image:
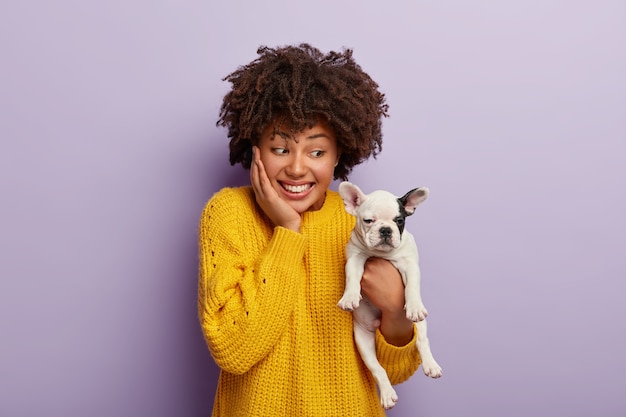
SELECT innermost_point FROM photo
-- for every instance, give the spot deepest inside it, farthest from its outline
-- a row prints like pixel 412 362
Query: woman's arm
pixel 247 282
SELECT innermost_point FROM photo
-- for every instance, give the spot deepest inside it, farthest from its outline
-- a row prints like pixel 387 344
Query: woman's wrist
pixel 396 328
pixel 293 225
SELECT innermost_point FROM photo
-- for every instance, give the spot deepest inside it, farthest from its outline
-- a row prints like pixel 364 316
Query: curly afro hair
pixel 302 84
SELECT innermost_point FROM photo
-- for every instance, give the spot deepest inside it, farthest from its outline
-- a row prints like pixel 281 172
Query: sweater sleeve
pixel 245 296
pixel 400 362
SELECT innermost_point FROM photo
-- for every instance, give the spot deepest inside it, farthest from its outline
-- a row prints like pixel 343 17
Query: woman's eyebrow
pixel 286 135
pixel 318 135
pixel 283 134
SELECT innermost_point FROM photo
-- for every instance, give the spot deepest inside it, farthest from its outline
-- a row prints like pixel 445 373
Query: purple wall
pixel 511 112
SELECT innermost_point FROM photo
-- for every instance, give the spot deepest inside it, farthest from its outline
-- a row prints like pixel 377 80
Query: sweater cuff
pixel 283 258
pixel 287 241
pixel 400 362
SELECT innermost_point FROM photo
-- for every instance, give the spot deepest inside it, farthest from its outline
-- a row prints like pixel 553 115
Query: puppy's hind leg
pixel 366 343
pixel 429 365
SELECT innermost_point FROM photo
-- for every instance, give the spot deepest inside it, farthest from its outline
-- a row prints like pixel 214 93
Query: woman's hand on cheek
pixel 278 210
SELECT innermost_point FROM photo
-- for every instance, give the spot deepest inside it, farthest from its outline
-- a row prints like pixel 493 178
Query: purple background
pixel 513 113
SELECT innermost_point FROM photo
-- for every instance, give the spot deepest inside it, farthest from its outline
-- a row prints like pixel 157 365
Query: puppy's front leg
pixel 355 266
pixel 415 309
pixel 429 364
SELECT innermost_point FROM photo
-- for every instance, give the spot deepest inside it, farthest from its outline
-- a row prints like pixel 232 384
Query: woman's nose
pixel 296 166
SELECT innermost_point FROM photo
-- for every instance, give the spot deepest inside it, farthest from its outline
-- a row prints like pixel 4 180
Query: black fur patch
pixel 399 220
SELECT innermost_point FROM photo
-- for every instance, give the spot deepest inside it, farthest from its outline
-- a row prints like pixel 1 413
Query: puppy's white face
pixel 380 215
pixel 379 222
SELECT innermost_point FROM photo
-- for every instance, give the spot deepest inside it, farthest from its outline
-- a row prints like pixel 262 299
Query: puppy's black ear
pixel 352 196
pixel 411 199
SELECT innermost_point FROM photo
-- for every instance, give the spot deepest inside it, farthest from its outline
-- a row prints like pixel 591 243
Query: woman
pixel 272 254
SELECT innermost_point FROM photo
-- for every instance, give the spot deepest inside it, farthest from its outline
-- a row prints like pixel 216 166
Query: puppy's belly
pixel 367 315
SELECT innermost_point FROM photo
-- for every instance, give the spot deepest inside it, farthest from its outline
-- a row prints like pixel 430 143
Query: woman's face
pixel 300 165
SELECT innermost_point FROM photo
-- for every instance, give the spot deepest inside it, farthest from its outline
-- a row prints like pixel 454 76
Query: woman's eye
pixel 317 154
pixel 279 151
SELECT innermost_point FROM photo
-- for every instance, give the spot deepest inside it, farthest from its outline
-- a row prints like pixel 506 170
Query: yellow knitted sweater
pixel 267 302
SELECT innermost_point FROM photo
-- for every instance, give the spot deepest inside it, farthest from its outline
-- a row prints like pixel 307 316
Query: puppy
pixel 380 232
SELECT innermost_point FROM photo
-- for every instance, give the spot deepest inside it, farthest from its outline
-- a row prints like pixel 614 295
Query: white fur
pixel 376 234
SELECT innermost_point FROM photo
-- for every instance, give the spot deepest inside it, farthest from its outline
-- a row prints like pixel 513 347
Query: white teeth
pixel 296 188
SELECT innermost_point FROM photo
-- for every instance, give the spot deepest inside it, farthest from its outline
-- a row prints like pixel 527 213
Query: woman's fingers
pixel 264 181
pixel 254 169
pixel 382 284
pixel 256 173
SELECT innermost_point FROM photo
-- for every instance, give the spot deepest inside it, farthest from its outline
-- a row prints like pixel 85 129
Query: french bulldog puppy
pixel 380 232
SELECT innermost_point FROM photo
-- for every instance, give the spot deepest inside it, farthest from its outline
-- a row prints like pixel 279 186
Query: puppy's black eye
pixel 400 221
pixel 368 221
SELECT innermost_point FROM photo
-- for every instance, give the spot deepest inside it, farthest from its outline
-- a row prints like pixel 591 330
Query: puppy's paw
pixel 350 302
pixel 431 368
pixel 415 312
pixel 388 398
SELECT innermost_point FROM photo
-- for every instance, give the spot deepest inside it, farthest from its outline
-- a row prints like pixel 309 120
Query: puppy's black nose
pixel 385 232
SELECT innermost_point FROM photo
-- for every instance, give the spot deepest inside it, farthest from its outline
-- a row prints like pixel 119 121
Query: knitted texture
pixel 267 304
